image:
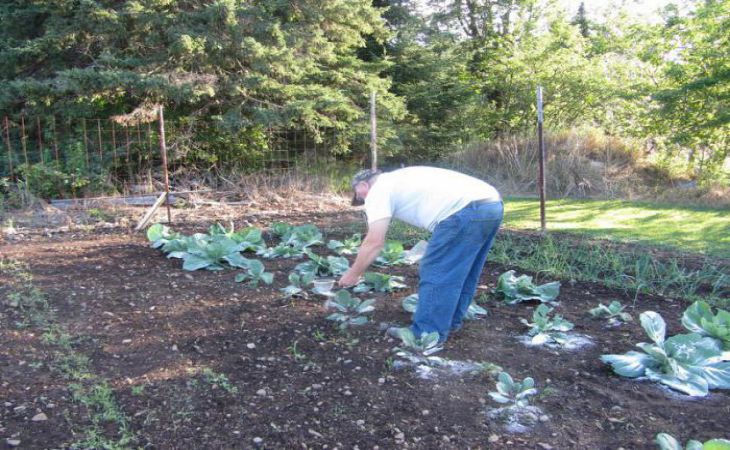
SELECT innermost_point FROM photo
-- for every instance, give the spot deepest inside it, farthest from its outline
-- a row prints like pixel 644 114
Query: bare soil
pixel 146 324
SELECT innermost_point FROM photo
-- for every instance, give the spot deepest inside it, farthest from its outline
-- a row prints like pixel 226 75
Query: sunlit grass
pixel 686 229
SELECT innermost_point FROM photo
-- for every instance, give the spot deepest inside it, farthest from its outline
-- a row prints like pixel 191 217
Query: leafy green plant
pixel 255 273
pixel 250 238
pixel 159 235
pixel 350 309
pixel 698 318
pixel 380 282
pixel 211 253
pixel 419 350
pixel 410 304
pixel 614 312
pixel 322 266
pixel 511 391
pixel 392 254
pixel 280 229
pixel 668 442
pixel 689 363
pixel 280 251
pixel 301 236
pixel 520 289
pixel 218 379
pixel 544 328
pixel 349 246
pixel 298 283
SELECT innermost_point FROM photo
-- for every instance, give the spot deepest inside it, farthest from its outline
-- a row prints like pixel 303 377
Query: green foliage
pixel 298 283
pixel 667 442
pixel 392 254
pixel 698 318
pixel 419 350
pixel 238 66
pixel 349 246
pixel 520 289
pixel 614 312
pixel 689 363
pixel 379 282
pixel 511 391
pixel 350 310
pixel 544 328
pixel 255 273
pixel 320 266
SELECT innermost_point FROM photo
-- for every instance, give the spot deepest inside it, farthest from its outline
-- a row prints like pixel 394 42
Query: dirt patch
pixel 196 360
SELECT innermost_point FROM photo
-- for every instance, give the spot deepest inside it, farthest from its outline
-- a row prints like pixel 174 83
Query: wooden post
pixel 114 143
pixel 541 145
pixel 40 139
pixel 101 145
pixel 22 139
pixel 86 148
pixel 9 145
pixel 55 141
pixel 163 151
pixel 373 133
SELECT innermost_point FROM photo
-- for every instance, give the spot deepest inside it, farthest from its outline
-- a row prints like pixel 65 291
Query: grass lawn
pixel 687 229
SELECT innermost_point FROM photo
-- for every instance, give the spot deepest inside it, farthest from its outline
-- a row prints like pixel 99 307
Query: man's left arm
pixel 369 250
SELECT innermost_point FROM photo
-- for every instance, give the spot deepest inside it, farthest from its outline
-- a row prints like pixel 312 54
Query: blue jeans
pixel 452 265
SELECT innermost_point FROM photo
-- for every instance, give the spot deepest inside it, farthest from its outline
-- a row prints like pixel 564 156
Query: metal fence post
pixel 9 145
pixel 163 151
pixel 541 145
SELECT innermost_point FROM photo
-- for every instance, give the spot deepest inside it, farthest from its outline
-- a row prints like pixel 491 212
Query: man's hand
pixel 369 250
pixel 348 279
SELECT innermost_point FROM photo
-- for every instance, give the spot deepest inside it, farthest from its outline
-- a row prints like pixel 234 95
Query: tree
pixel 238 64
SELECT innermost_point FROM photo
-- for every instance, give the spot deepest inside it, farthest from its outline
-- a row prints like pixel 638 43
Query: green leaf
pixel 692 384
pixel 632 364
pixel 667 442
pixel 194 262
pixel 693 316
pixel 654 326
pixel 716 444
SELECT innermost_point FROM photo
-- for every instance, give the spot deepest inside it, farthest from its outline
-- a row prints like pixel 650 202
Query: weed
pixel 319 336
pixel 218 379
pixel 138 390
pixel 296 354
pixel 103 409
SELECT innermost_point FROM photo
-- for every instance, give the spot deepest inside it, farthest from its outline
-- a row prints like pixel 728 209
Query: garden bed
pixel 196 360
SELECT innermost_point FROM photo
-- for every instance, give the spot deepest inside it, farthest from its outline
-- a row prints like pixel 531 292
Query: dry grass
pixel 580 165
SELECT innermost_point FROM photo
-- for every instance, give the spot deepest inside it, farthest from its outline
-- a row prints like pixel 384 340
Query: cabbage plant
pixel 321 266
pixel 419 350
pixel 698 318
pixel 410 304
pixel 255 273
pixel 379 282
pixel 302 236
pixel 350 310
pixel 210 252
pixel 297 284
pixel 668 442
pixel 159 235
pixel 280 251
pixel 689 363
pixel 511 391
pixel 614 312
pixel 544 328
pixel 520 289
pixel 250 238
pixel 349 246
pixel 392 254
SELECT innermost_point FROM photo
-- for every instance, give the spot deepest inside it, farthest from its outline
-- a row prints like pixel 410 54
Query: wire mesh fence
pixel 126 154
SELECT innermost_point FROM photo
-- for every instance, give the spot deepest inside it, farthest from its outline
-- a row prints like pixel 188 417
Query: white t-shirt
pixel 424 196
